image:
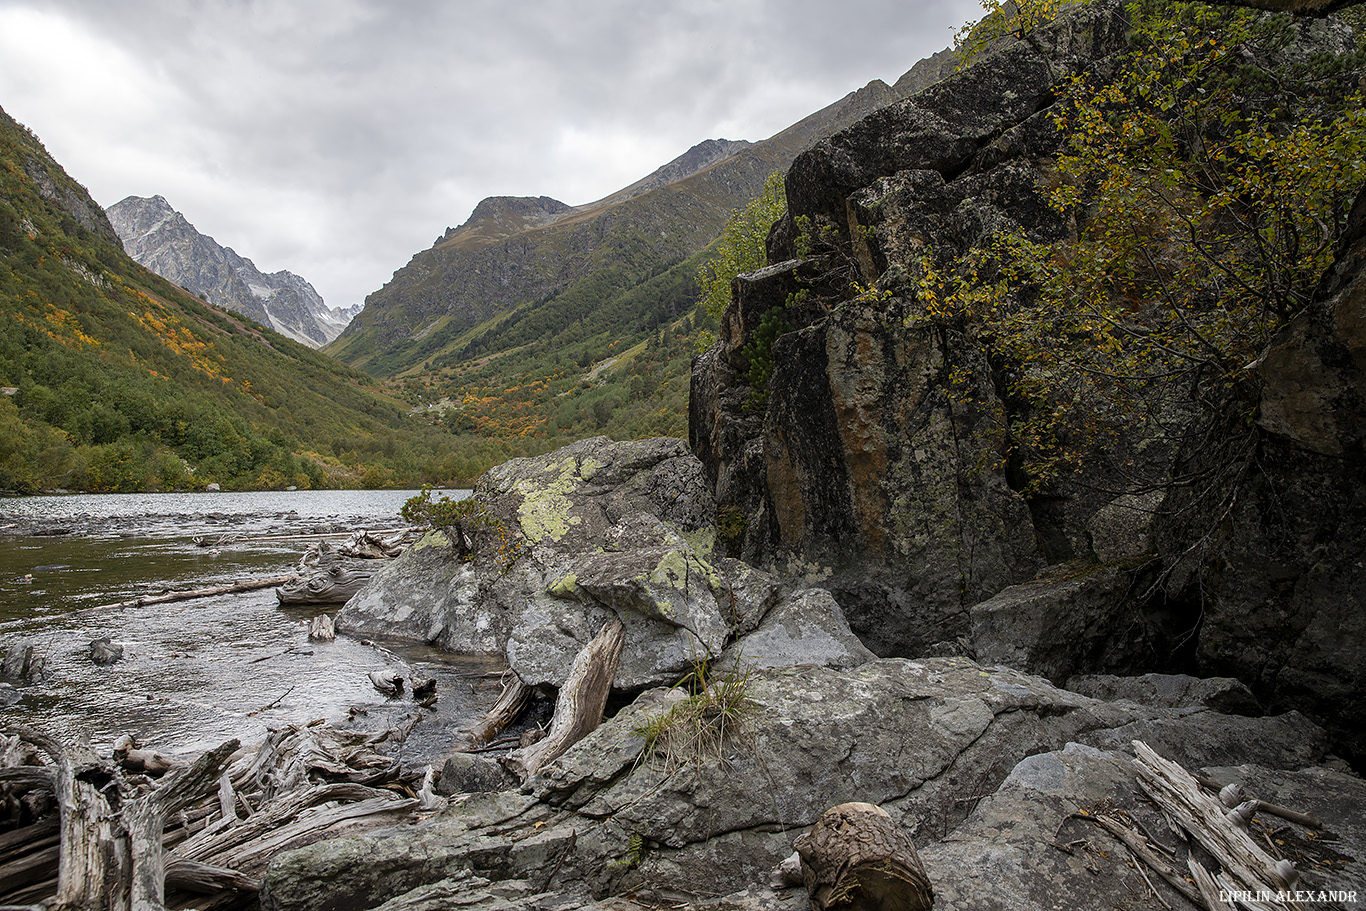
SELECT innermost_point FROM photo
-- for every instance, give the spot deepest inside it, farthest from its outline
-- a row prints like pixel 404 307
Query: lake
pixel 197 672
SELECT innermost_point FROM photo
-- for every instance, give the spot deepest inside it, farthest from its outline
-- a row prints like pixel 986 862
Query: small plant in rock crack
pixel 463 521
pixel 703 725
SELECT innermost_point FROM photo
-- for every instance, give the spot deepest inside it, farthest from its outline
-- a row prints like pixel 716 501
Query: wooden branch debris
pixel 581 701
pixel 1217 823
pixel 856 856
pixel 209 827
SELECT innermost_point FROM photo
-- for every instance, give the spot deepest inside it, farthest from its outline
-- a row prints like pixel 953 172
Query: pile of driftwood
pixel 81 831
pixel 1213 822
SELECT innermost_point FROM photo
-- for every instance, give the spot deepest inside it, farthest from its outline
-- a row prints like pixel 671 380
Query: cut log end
pixel 856 858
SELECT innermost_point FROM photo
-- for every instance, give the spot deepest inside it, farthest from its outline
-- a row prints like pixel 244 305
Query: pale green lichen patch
pixel 433 538
pixel 565 587
pixel 544 512
pixel 701 540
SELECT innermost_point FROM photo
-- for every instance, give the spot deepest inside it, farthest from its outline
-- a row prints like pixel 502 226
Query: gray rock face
pixel 104 652
pixel 160 238
pixel 1276 573
pixel 870 473
pixel 1222 694
pixel 464 773
pixel 1055 627
pixel 595 530
pixel 926 740
pixel 882 467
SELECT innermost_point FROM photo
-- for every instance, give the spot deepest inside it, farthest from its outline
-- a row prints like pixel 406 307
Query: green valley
pixel 117 380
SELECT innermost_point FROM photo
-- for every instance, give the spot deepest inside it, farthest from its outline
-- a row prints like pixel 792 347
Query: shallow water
pixel 195 673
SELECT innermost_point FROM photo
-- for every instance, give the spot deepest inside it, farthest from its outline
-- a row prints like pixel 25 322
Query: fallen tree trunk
pixel 856 857
pixel 145 819
pixel 1245 865
pixel 580 704
pixel 170 597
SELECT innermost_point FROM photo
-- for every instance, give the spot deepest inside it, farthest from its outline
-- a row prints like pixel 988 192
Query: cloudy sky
pixel 336 138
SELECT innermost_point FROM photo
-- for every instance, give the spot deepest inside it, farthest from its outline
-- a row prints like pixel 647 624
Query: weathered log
pixel 856 857
pixel 335 585
pixel 1244 865
pixel 92 857
pixel 234 588
pixel 581 701
pixel 504 712
pixel 133 759
pixel 206 879
pixel 389 683
pixel 145 819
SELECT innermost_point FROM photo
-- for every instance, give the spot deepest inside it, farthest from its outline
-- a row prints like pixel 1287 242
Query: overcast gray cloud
pixel 335 138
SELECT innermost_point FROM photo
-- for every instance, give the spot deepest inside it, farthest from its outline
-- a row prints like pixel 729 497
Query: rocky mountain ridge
pixel 162 239
pixel 524 251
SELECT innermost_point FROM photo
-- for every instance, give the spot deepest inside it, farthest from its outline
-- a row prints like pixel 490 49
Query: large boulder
pixel 1267 558
pixel 1078 618
pixel 926 740
pixel 565 542
pixel 1032 845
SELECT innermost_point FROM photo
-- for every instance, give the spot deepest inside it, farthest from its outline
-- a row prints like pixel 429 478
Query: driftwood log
pixel 1244 865
pixel 334 585
pixel 169 597
pixel 201 836
pixel 504 712
pixel 580 703
pixel 857 858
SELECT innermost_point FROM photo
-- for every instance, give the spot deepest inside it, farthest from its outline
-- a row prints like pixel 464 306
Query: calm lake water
pixel 195 673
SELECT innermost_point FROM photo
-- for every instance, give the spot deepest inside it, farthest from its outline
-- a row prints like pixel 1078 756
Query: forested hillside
pixel 117 380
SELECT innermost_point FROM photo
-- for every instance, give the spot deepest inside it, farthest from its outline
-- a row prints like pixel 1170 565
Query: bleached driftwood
pixel 231 589
pixel 322 628
pixel 1244 864
pixel 581 701
pixel 210 826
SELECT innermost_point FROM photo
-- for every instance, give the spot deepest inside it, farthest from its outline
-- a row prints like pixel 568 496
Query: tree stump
pixel 856 858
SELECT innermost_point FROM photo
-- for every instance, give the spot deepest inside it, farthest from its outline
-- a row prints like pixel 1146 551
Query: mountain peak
pixel 162 239
pixel 499 217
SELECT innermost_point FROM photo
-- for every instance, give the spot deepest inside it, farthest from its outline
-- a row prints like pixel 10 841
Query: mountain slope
pixel 525 252
pixel 116 379
pixel 160 238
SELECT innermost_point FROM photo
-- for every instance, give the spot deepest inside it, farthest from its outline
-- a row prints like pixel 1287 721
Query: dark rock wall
pixel 878 467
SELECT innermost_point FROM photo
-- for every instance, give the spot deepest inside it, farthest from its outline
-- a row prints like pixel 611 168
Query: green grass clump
pixel 702 726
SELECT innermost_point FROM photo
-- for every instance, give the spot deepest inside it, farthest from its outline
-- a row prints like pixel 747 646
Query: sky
pixel 337 138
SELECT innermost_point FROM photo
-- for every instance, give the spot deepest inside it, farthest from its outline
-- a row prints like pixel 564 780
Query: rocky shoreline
pixel 992 771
